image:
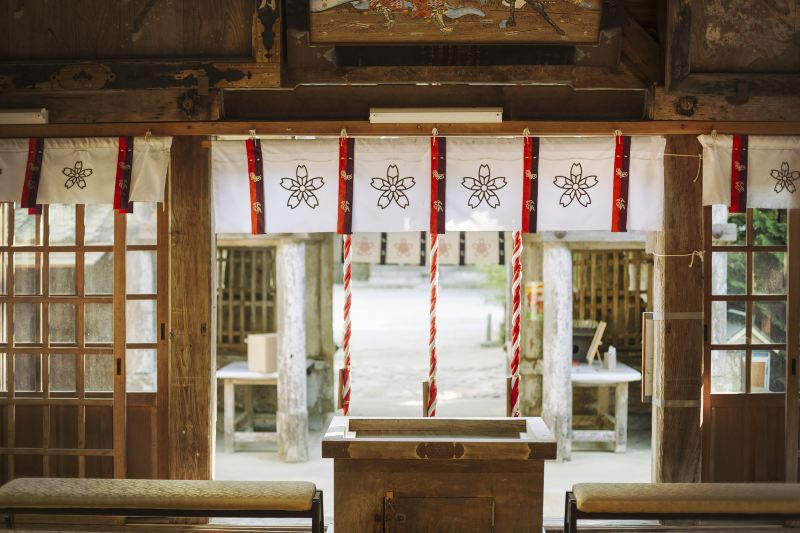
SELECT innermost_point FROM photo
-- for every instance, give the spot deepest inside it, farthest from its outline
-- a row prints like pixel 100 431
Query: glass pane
pixel 142 227
pixel 27 372
pixel 62 273
pixel 140 371
pixel 98 224
pixel 27 230
pixel 27 273
pixel 769 227
pixel 62 372
pixel 728 323
pixel 140 321
pixel 98 372
pixel 3 273
pixel 769 322
pixel 62 224
pixel 728 273
pixel 727 371
pixel 62 324
pixel 728 229
pixel 3 373
pixel 769 273
pixel 26 322
pixel 768 371
pixel 99 323
pixel 98 273
pixel 140 272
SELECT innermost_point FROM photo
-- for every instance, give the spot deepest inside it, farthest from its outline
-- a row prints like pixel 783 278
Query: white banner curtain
pixel 412 248
pixel 299 185
pixel 391 185
pixel 84 170
pixel 767 176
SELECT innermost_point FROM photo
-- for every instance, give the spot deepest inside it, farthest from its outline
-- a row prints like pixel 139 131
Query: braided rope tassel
pixel 346 279
pixel 516 296
pixel 432 339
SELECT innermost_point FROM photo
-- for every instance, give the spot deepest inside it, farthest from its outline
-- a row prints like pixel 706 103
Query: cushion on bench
pixel 39 493
pixel 709 498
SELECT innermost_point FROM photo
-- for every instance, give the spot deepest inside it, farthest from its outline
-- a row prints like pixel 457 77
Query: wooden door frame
pixel 792 348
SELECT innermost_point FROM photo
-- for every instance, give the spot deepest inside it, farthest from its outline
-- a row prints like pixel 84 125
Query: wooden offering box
pixel 438 475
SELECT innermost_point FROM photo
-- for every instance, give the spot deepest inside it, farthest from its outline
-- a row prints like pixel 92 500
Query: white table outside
pixel 233 374
pixel 602 378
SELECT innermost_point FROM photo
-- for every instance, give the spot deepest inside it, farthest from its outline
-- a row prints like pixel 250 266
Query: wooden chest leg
pixel 621 417
pixel 229 414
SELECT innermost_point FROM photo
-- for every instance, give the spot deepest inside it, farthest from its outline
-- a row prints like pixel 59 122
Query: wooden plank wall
pixel 616 287
pixel 191 358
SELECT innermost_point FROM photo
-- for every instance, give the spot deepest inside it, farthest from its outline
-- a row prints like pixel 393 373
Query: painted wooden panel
pixel 456 21
pixel 745 36
pixel 94 29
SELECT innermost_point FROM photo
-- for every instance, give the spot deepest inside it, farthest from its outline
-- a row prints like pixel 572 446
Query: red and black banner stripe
pixel 530 183
pixel 33 171
pixel 344 224
pixel 255 172
pixel 622 165
pixel 122 189
pixel 438 183
pixel 739 174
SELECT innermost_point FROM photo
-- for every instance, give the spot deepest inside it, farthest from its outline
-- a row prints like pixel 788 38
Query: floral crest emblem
pixel 438 206
pixel 257 207
pixel 363 247
pixel 76 175
pixel 739 186
pixel 620 203
pixel 344 205
pixel 481 247
pixel 403 247
pixel 529 205
pixel 575 186
pixel 393 188
pixel 785 178
pixel 484 188
pixel 302 188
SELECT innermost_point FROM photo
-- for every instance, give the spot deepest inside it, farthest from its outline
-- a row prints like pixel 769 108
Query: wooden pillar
pixel 292 415
pixel 532 352
pixel 557 398
pixel 191 356
pixel 678 308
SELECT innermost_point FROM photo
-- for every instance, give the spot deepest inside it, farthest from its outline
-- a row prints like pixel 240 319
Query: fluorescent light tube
pixel 24 116
pixel 435 115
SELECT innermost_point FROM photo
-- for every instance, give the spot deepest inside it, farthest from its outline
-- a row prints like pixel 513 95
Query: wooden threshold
pixel 334 128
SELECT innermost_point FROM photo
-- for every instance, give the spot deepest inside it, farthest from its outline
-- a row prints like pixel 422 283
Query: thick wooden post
pixel 678 308
pixel 191 356
pixel 292 416
pixel 557 398
pixel 532 352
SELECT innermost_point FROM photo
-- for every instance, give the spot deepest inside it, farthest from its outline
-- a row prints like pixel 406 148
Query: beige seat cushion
pixel 156 494
pixel 742 498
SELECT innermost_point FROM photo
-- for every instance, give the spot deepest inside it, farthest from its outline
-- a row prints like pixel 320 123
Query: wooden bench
pixel 178 498
pixel 681 501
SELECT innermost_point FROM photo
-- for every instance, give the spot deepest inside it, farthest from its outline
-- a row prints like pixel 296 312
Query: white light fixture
pixel 24 116
pixel 435 115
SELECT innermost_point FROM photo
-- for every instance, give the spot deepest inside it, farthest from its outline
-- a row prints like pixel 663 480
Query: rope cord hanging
pixel 346 280
pixel 516 297
pixel 433 337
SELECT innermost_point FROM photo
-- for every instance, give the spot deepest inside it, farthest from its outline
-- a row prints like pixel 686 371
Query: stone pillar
pixel 532 352
pixel 292 415
pixel 557 398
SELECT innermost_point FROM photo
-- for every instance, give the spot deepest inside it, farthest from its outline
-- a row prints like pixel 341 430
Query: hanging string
pixel 516 300
pixel 694 254
pixel 433 338
pixel 346 280
pixel 699 164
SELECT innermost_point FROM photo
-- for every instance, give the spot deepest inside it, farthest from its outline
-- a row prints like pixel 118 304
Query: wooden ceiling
pixel 206 60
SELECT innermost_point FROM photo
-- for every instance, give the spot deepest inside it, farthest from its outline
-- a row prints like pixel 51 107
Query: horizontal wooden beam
pixel 109 75
pixel 687 106
pixel 330 128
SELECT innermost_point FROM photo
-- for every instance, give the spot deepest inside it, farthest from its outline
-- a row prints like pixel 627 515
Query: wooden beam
pixel 643 53
pixel 793 351
pixel 191 376
pixel 331 128
pixel 678 288
pixel 686 106
pixel 168 105
pixel 679 29
pixel 118 74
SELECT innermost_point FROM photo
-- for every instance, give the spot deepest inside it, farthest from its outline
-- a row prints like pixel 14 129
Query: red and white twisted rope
pixel 516 297
pixel 346 279
pixel 432 339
